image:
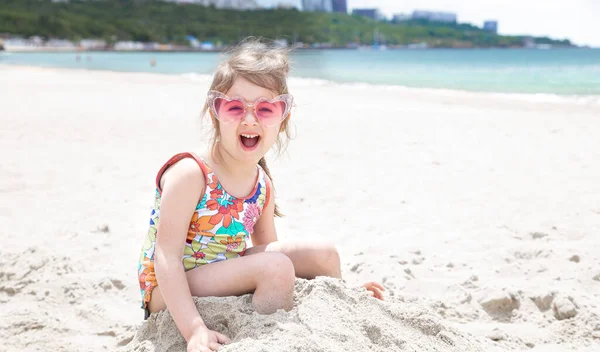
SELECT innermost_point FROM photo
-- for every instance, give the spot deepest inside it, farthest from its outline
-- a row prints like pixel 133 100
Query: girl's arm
pixel 183 185
pixel 264 229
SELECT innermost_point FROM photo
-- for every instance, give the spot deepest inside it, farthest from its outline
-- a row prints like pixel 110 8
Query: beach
pixel 479 212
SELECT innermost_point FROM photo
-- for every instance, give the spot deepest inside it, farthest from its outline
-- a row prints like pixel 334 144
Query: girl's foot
pixel 375 289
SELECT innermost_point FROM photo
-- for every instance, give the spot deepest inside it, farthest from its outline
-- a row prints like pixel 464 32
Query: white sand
pixel 479 212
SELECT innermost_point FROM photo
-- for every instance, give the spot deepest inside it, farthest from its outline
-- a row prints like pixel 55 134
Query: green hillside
pixel 164 22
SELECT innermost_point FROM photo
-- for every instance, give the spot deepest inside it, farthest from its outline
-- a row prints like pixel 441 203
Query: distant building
pixel 528 43
pixel 36 40
pixel 198 2
pixel 60 44
pixel 286 5
pixel 18 44
pixel 434 16
pixel 491 26
pixel 92 44
pixel 207 46
pixel 238 4
pixel 129 46
pixel 400 17
pixel 193 41
pixel 340 6
pixel 317 5
pixel 222 4
pixel 370 13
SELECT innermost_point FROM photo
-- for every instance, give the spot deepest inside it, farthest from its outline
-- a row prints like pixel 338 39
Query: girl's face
pixel 247 140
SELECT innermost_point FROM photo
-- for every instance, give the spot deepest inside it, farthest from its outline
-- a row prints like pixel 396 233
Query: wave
pixel 586 100
pixel 527 97
pixel 553 98
pixel 196 77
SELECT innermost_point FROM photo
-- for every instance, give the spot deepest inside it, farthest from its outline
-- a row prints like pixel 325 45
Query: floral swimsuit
pixel 218 230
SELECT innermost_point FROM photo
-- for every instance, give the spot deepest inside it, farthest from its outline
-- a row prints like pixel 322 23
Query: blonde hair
pixel 264 65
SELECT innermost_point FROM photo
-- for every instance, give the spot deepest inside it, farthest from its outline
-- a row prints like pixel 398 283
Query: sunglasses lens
pixel 270 113
pixel 229 110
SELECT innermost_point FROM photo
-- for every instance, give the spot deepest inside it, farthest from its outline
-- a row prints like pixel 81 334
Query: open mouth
pixel 249 141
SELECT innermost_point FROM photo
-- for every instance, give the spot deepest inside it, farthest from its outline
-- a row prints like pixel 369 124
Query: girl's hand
pixel 375 289
pixel 205 340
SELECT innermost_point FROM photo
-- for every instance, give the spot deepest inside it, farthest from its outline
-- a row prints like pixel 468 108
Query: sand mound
pixel 327 316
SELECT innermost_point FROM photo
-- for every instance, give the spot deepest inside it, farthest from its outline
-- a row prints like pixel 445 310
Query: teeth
pixel 250 135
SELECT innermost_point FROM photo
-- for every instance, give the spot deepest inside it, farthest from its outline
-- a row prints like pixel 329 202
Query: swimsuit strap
pixel 175 159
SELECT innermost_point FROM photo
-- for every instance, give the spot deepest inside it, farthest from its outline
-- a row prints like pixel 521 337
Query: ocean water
pixel 570 72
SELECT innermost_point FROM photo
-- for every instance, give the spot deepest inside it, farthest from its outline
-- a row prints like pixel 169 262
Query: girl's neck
pixel 228 167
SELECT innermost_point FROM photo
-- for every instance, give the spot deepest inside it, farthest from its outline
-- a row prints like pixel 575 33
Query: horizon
pixel 558 19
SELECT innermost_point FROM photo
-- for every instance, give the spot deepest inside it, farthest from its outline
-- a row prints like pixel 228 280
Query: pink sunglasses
pixel 233 109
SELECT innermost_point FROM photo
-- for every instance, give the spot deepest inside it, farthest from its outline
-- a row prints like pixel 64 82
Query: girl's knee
pixel 330 253
pixel 327 261
pixel 278 266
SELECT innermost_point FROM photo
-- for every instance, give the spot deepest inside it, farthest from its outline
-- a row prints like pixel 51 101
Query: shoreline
pixel 362 47
pixel 546 98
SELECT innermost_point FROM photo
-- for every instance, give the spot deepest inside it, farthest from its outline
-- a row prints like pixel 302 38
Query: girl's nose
pixel 249 119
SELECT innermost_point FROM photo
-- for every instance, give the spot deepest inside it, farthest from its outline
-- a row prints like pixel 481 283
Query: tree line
pixel 166 22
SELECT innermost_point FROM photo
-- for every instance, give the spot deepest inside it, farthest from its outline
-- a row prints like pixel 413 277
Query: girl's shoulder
pixel 182 169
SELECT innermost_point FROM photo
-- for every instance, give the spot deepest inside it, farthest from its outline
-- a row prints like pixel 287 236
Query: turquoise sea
pixel 574 72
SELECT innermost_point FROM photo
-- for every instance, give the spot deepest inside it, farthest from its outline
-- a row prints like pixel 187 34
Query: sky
pixel 577 20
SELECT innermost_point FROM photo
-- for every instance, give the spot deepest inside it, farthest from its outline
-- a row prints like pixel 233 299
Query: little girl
pixel 209 207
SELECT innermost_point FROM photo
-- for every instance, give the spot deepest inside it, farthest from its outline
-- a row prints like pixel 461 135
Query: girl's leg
pixel 313 259
pixel 269 275
pixel 310 259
